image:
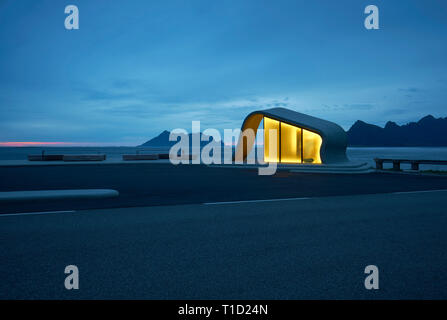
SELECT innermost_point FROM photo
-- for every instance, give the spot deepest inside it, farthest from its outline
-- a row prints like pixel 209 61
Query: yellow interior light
pixel 290 143
pixel 271 149
pixel 293 144
pixel 311 147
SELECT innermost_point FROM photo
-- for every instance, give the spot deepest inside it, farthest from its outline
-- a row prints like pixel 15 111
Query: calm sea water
pixel 115 153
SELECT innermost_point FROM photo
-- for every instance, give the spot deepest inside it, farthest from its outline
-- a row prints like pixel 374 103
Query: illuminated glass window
pixel 311 147
pixel 290 143
pixel 271 149
pixel 293 144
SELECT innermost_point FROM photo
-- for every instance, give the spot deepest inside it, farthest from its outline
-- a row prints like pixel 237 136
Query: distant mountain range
pixel 427 132
pixel 162 140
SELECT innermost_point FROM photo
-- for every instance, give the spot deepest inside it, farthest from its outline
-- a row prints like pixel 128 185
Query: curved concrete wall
pixel 333 148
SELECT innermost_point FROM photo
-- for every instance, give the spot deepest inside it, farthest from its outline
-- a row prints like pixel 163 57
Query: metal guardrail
pixel 414 163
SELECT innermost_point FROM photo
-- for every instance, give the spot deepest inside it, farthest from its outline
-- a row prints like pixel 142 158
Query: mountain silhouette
pixel 427 132
pixel 162 140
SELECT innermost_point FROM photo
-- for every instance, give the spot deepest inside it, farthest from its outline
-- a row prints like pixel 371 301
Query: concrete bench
pixel 157 156
pixel 131 157
pixel 67 157
pixel 46 157
pixel 163 155
pixel 84 157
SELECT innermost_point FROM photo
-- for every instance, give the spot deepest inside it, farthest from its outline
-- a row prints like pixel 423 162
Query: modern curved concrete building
pixel 300 138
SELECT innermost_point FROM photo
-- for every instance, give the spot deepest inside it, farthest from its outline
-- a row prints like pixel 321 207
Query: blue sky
pixel 135 68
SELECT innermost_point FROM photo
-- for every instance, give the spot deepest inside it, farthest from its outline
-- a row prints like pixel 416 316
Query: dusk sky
pixel 136 68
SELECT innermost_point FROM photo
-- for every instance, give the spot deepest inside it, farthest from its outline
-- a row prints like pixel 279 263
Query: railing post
pixel 396 165
pixel 379 164
pixel 415 165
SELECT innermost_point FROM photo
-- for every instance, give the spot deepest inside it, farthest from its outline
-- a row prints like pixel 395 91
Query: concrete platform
pixel 153 183
pixel 342 168
pixel 351 167
pixel 338 168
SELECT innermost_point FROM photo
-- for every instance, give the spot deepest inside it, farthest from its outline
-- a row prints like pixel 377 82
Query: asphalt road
pixel 310 248
pixel 165 184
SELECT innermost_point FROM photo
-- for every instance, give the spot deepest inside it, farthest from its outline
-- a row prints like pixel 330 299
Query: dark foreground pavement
pixel 314 248
pixel 165 184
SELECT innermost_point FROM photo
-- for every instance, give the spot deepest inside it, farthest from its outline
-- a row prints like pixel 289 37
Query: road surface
pixel 283 249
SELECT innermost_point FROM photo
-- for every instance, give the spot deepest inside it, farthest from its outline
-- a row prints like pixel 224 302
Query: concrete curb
pixel 57 194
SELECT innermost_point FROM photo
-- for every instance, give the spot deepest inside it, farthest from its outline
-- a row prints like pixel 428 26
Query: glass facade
pixel 312 144
pixel 290 143
pixel 293 144
pixel 271 149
